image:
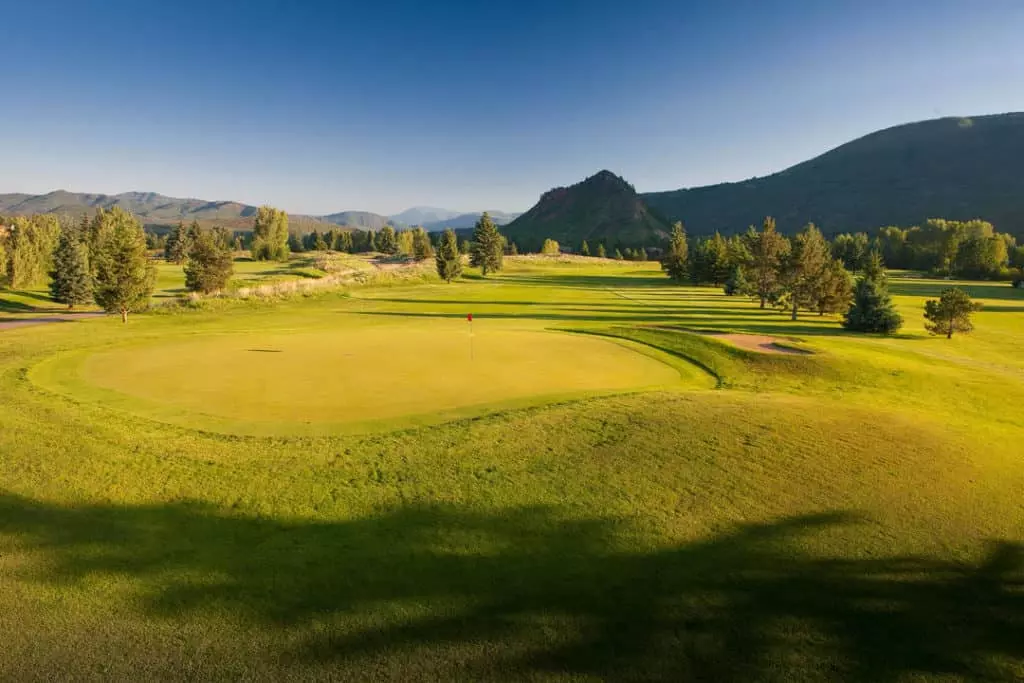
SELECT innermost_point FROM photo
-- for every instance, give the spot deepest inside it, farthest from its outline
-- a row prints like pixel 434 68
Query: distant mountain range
pixel 157 209
pixel 957 168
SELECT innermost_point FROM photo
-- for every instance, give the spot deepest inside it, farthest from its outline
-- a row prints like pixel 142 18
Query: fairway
pixel 328 487
pixel 253 382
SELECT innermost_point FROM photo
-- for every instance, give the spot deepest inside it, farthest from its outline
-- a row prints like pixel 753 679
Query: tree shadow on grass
pixel 544 594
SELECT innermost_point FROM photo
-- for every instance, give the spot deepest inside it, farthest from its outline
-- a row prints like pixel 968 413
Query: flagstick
pixel 471 340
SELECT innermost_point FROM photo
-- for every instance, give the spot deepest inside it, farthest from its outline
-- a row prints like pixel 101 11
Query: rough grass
pixel 853 513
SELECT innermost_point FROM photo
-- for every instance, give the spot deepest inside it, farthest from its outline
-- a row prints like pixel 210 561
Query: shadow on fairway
pixel 525 591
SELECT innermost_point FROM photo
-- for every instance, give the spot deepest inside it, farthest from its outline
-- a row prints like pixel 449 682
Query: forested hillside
pixel 955 168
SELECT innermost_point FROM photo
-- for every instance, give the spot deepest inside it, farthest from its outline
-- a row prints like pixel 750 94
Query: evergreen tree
pixel 176 249
pixel 371 240
pixel 209 266
pixel 551 248
pixel 641 254
pixel 584 249
pixel 618 254
pixel 872 309
pixel 836 288
pixel 124 275
pixel 767 249
pixel 803 270
pixel 737 282
pixel 950 313
pixel 296 243
pixel 513 250
pixel 629 255
pixel 465 246
pixel 448 258
pixel 488 246
pixel 675 262
pixel 387 241
pixel 319 243
pixel 422 249
pixel 345 242
pixel 71 278
pixel 601 252
pixel 270 235
pixel 238 243
pixel 874 268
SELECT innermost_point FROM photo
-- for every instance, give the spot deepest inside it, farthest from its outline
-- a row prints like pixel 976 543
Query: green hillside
pixel 953 168
pixel 602 208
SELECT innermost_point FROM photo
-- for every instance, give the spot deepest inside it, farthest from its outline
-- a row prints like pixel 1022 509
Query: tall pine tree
pixel 71 278
pixel 675 262
pixel 448 258
pixel 488 246
pixel 767 250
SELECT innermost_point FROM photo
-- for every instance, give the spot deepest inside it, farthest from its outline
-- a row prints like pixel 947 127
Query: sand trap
pixel 55 318
pixel 756 342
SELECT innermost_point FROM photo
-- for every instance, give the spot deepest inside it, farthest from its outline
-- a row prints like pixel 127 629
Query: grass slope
pixel 853 514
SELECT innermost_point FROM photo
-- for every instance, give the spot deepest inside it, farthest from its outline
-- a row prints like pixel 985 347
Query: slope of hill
pixel 359 219
pixel 421 215
pixel 152 207
pixel 467 220
pixel 953 168
pixel 602 208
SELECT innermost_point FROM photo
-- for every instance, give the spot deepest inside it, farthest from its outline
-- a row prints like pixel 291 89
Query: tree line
pixel 807 273
pixel 102 259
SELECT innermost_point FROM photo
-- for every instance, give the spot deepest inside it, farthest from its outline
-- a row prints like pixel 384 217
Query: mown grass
pixel 854 513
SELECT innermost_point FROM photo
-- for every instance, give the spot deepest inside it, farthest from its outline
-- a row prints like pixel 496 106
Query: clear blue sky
pixel 324 106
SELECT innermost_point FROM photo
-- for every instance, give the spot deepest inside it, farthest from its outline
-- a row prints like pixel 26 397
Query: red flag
pixel 469 317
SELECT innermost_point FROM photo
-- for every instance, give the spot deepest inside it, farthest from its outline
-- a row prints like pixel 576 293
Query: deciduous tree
pixel 950 313
pixel 270 235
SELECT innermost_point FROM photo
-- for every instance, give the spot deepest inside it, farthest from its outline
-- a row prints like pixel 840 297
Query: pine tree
pixel 584 249
pixel 803 270
pixel 177 247
pixel 270 240
pixel 371 240
pixel 488 246
pixel 675 262
pixel 641 254
pixel 209 266
pixel 737 282
pixel 836 288
pixel 874 268
pixel 387 241
pixel 124 275
pixel 71 278
pixel 767 249
pixel 950 313
pixel 872 309
pixel 513 250
pixel 601 252
pixel 422 249
pixel 618 254
pixel 448 258
pixel 318 242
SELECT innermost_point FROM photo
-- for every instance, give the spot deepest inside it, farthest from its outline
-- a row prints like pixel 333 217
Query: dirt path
pixel 53 318
pixel 756 342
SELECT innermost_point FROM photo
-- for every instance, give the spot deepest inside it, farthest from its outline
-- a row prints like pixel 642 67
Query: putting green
pixel 328 381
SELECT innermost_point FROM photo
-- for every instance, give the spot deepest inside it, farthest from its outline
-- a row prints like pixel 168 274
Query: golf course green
pixel 338 486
